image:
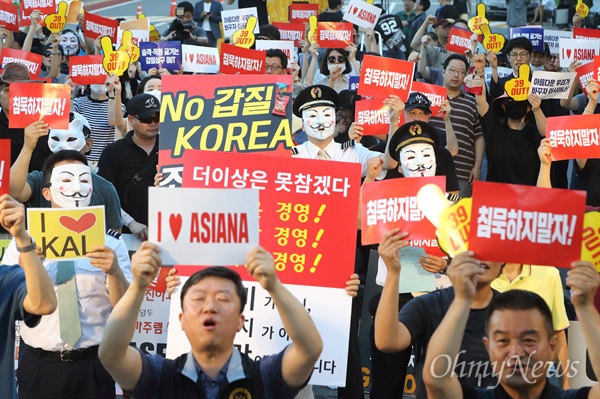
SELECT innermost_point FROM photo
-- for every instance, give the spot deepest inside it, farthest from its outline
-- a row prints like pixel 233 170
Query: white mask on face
pixel 70 139
pixel 333 67
pixel 418 160
pixel 319 122
pixel 99 89
pixel 155 93
pixel 71 185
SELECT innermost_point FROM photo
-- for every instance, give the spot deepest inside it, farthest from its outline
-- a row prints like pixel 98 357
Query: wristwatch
pixel 27 248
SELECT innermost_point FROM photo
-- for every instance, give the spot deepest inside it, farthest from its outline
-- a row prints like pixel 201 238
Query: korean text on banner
pixel 32 61
pixel 335 34
pixel 588 34
pixel 535 36
pixel 552 84
pixel 200 59
pixel 435 94
pixel 523 224
pixel 291 31
pixel 373 116
pixel 584 73
pixel 87 70
pixel 45 6
pixel 235 19
pixel 551 38
pixel 459 40
pixel 236 60
pixel 382 76
pixel 31 102
pixel 4 166
pixel 9 16
pixel 160 55
pixel 300 12
pixel 574 136
pixel 96 26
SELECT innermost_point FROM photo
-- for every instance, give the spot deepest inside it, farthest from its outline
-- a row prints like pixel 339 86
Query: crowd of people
pixel 509 319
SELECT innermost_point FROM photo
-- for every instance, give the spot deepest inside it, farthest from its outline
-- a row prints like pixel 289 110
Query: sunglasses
pixel 333 59
pixel 152 119
pixel 48 54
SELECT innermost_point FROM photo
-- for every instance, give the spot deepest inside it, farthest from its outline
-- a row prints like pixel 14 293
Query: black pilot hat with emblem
pixel 411 133
pixel 143 105
pixel 314 96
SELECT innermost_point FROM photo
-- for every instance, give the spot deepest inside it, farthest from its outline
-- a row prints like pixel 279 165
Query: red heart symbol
pixel 355 10
pixel 175 223
pixel 85 222
pixel 191 57
pixel 568 53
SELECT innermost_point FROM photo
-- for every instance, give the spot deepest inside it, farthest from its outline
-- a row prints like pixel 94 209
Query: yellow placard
pixel 3 245
pixel 56 22
pixel 582 9
pixel 518 88
pixel 590 245
pixel 453 233
pixel 245 37
pixel 478 20
pixel 114 62
pixel 312 29
pixel 128 47
pixel 491 41
pixel 66 233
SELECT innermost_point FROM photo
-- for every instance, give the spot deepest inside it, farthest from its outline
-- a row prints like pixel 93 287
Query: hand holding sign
pixel 115 62
pixel 129 47
pixel 479 19
pixel 56 22
pixel 518 88
pixel 245 37
pixel 582 9
pixel 312 29
pixel 491 41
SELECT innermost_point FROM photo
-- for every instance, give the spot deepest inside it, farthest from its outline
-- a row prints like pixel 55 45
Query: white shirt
pixel 205 22
pixel 92 293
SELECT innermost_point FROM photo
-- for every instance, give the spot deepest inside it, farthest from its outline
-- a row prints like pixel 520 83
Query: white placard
pixel 552 84
pixel 233 20
pixel 287 46
pixel 502 72
pixel 552 37
pixel 362 14
pixel 577 50
pixel 137 36
pixel 198 226
pixel 263 333
pixel 199 59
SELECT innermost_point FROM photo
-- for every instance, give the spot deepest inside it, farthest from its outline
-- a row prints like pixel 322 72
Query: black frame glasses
pixel 340 59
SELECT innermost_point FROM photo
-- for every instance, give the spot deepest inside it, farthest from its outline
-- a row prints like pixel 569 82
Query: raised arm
pixel 396 106
pixel 540 118
pixel 482 104
pixel 19 188
pixel 451 140
pixel 28 42
pixel 300 357
pixel 105 258
pixel 416 41
pixel 422 64
pixel 545 154
pixel 310 73
pixel 115 111
pixel 570 103
pixel 56 57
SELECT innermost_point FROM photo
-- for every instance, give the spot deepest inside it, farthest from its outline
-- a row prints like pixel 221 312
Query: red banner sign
pixel 307 209
pixel 45 6
pixel 574 136
pixel 373 116
pixel 597 67
pixel 291 31
pixel 335 34
pixel 301 12
pixel 30 102
pixel 382 76
pixel 9 15
pixel 392 203
pixel 585 73
pixel 96 26
pixel 241 60
pixel 87 70
pixel 4 166
pixel 436 95
pixel 32 61
pixel 459 40
pixel 583 33
pixel 524 224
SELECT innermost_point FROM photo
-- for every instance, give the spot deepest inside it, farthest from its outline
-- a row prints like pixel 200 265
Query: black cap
pixel 418 100
pixel 545 51
pixel 143 105
pixel 314 96
pixel 411 133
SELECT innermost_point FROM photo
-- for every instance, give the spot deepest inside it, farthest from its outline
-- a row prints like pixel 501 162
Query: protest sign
pixel 518 88
pixel 590 245
pixel 586 34
pixel 200 59
pixel 459 40
pixel 287 46
pixel 129 47
pixel 597 68
pixel 9 16
pixel 373 116
pixel 31 102
pixel 301 12
pixel 335 34
pixel 56 22
pixel 413 278
pixel 551 37
pixel 113 61
pixel 362 14
pixel 392 204
pixel 87 70
pixel 585 73
pixel 32 61
pixel 66 233
pixel 574 136
pixel 478 20
pixel 241 60
pixel 161 55
pixel 491 41
pixel 534 34
pixel 552 84
pixel 582 9
pixel 577 50
pixel 381 76
pixel 45 6
pixel 524 224
pixel 4 166
pixel 222 233
pixel 137 36
pixel 502 73
pixel 244 37
pixel 313 30
pixel 435 94
pixel 353 82
pixel 150 334
pixel 96 26
pixel 291 31
pixel 235 19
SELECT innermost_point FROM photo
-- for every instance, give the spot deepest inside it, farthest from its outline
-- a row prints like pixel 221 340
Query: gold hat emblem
pixel 415 130
pixel 316 92
pixel 240 393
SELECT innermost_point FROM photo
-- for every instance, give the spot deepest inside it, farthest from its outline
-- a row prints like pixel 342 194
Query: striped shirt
pixel 96 112
pixel 467 128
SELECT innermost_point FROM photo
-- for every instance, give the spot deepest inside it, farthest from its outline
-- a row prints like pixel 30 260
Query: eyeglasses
pixel 48 54
pixel 336 60
pixel 274 68
pixel 147 121
pixel 522 54
pixel 456 72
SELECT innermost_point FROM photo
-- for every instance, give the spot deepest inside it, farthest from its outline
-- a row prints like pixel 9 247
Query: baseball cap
pixel 418 100
pixel 143 105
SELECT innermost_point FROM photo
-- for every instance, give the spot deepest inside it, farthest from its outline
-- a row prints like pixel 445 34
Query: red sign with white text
pixel 306 209
pixel 87 70
pixel 45 6
pixel 31 102
pixel 236 59
pixel 9 15
pixel 459 40
pixel 301 12
pixel 391 204
pixel 524 224
pixel 574 136
pixel 335 34
pixel 373 116
pixel 32 61
pixel 436 95
pixel 291 31
pixel 583 33
pixel 4 166
pixel 381 76
pixel 585 73
pixel 96 26
pixel 597 67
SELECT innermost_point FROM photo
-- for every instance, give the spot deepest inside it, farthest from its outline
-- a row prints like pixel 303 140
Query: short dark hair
pixel 59 156
pixel 275 52
pixel 432 35
pixel 519 42
pixel 187 6
pixel 145 81
pixel 425 4
pixel 219 272
pixel 455 56
pixel 323 68
pixel 333 4
pixel 449 11
pixel 271 32
pixel 520 300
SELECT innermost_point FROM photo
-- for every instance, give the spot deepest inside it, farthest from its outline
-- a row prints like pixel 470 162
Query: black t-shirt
pixel 17 140
pixel 389 27
pixel 590 174
pixel 423 315
pixel 550 392
pixel 512 154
